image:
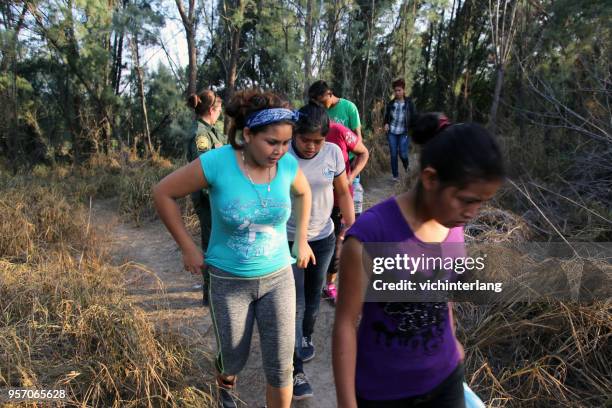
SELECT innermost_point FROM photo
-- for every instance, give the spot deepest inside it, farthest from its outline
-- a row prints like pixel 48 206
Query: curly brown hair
pixel 244 103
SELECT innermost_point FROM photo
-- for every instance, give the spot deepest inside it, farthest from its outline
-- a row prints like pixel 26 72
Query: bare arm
pixel 303 202
pixel 179 183
pixel 361 158
pixel 358 132
pixel 345 201
pixel 352 280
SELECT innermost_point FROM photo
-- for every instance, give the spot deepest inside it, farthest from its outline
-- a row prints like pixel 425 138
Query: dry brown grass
pixel 35 217
pixel 540 354
pixel 135 186
pixel 121 175
pixel 561 182
pixel 378 163
pixel 134 190
pixel 543 354
pixel 494 225
pixel 64 321
pixel 65 324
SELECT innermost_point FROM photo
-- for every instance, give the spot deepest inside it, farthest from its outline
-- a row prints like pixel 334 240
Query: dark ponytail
pixel 312 118
pixel 201 103
pixel 460 153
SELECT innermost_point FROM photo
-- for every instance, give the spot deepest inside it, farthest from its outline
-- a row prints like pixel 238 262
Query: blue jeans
pixel 308 286
pixel 398 143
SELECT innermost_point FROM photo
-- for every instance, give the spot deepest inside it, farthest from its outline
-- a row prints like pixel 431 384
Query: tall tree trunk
pixel 308 47
pixel 81 146
pixel 236 32
pixel 425 86
pixel 118 56
pixel 496 95
pixel 232 73
pixel 521 92
pixel 438 79
pixel 231 16
pixel 117 67
pixel 9 137
pixel 10 54
pixel 467 101
pixel 335 48
pixel 141 94
pixel 107 113
pixel 367 67
pixel 503 24
pixel 454 69
pixel 189 23
pixel 193 64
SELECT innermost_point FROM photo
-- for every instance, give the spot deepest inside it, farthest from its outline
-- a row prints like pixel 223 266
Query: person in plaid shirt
pixel 400 114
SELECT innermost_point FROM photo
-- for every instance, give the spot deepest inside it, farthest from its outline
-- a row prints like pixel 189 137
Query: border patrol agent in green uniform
pixel 204 137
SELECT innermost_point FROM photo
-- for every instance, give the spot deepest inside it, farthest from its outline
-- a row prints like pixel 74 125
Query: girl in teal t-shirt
pixel 249 261
pixel 249 220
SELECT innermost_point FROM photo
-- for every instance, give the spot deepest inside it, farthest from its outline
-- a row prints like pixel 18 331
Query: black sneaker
pixel 226 399
pixel 301 387
pixel 308 349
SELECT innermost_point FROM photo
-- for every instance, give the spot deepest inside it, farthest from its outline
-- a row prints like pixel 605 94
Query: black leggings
pixel 337 220
pixel 449 394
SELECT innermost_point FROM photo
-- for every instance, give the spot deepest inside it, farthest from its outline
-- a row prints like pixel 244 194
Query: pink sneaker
pixel 331 292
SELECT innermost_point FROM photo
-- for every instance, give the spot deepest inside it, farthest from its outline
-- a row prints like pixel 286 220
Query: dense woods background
pixel 74 83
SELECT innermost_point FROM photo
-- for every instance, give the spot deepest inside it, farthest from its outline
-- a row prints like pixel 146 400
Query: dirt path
pixel 157 283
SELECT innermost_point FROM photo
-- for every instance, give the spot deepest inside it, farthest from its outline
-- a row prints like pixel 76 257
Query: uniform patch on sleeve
pixel 202 143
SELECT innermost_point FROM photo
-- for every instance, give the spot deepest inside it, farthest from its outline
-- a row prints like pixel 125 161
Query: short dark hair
pixel 318 88
pixel 313 118
pixel 399 82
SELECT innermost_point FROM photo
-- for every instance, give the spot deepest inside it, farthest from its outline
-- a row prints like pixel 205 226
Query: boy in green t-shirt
pixel 340 110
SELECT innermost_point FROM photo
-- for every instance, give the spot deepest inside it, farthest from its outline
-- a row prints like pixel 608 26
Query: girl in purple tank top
pixel 405 354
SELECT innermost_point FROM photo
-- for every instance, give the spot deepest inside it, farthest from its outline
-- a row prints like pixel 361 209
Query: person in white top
pixel 323 165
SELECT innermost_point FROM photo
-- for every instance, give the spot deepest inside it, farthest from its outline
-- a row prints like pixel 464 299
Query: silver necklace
pixel 264 203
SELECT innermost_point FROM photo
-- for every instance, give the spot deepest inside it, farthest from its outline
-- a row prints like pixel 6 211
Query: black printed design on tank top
pixel 419 326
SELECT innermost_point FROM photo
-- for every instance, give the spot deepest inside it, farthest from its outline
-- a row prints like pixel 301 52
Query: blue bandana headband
pixel 268 116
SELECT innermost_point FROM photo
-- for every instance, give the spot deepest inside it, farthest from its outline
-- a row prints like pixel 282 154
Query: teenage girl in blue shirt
pixel 250 184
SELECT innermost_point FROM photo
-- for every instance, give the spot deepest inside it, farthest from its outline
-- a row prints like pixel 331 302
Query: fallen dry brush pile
pixel 550 354
pixel 546 353
pixel 63 319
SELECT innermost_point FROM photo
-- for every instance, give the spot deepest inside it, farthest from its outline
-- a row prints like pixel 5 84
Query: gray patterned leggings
pixel 237 303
